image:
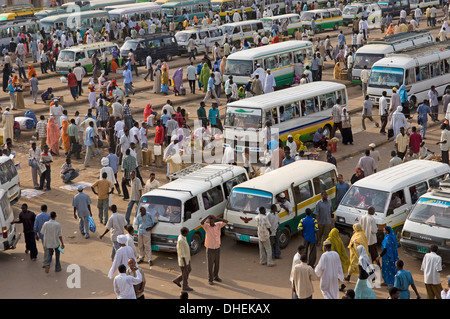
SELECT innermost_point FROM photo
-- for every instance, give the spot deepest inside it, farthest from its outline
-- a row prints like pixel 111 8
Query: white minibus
pixel 196 192
pixel 302 183
pixel 238 31
pixel 391 192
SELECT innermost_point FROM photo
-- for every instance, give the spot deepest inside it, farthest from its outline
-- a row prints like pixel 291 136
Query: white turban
pixel 105 161
pixel 122 239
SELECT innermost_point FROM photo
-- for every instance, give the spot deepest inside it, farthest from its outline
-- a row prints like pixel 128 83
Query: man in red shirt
pixel 414 140
pixel 72 82
pixel 159 133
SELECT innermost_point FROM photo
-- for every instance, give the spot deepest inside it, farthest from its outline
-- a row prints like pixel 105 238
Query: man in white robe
pixel 260 71
pixel 292 146
pixel 122 255
pixel 57 111
pixel 398 120
pixel 269 83
pixel 329 270
pixel 171 150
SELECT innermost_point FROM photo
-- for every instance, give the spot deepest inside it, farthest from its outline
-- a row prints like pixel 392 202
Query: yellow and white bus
pixel 229 7
pixel 301 190
pixel 281 58
pixel 297 110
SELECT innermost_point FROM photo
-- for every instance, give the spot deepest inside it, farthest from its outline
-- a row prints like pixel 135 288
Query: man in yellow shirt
pixel 184 260
pixel 102 188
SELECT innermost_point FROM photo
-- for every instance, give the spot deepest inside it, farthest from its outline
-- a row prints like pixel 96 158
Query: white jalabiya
pixel 122 255
pixel 329 269
pixel 398 120
pixel 269 83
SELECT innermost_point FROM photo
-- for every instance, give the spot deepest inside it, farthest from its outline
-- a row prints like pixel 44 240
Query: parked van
pixel 293 19
pixel 9 179
pixel 323 18
pixel 428 223
pixel 393 7
pixel 69 57
pixel 214 34
pixel 391 192
pixel 423 4
pixel 196 192
pixel 238 31
pixel 301 190
pixel 362 9
pixel 162 45
pixel 8 238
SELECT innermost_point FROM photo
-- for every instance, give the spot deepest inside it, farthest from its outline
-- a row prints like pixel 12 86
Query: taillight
pixel 5 232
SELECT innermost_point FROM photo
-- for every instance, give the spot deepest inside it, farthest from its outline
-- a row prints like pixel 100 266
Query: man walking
pixel 184 260
pixel 309 228
pixel 431 267
pixel 423 111
pixel 302 277
pixel 135 196
pixel 444 143
pixel 434 103
pixel 82 205
pixel 34 157
pixel 89 143
pixel 367 164
pixel 144 223
pixel 274 221
pixel 102 188
pixel 369 225
pixel 383 112
pixel 212 244
pixel 323 212
pixel 27 219
pixel 40 220
pixel 402 280
pixel 329 269
pixel 116 224
pixel 365 74
pixel 367 113
pixel 265 249
pixel 127 80
pixel 34 87
pixel 53 242
pixel 211 90
pixel 336 112
pixel 402 143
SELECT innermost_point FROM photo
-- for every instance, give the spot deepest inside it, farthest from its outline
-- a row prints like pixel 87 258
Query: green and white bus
pixel 69 57
pixel 302 190
pixel 294 22
pixel 77 20
pixel 136 12
pixel 178 11
pixel 281 58
pixel 323 19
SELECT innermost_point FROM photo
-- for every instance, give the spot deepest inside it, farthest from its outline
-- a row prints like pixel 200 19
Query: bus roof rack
pixel 400 37
pixel 201 172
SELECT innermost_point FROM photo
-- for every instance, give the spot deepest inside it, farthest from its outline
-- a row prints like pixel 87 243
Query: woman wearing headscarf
pixel 20 102
pixel 363 289
pixel 390 30
pixel 148 110
pixel 404 100
pixel 223 63
pixel 15 79
pixel 102 80
pixel 177 81
pixel 389 256
pixel 338 246
pixel 65 136
pixel 319 139
pixel 164 81
pixel 346 131
pixel 53 136
pixel 6 75
pixel 205 74
pixel 358 238
pixel 157 76
pixel 31 71
pixel 47 95
pixel 337 71
pixel 398 120
pixel 92 95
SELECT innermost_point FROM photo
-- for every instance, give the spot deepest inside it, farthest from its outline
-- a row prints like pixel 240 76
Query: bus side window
pixel 409 76
pixel 436 67
pixel 447 65
pixel 425 72
pixel 310 106
pixel 190 207
pixel 302 108
pixel 341 95
pixel 290 111
pixel 275 115
pixel 417 190
pixel 418 75
pixel 270 62
pixel 303 191
pixel 269 115
pixel 285 59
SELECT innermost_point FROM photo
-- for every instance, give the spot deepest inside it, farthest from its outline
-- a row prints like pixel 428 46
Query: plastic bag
pixel 92 226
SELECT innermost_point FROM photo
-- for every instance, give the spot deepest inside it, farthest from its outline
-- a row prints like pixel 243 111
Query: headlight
pixel 341 219
pixel 406 234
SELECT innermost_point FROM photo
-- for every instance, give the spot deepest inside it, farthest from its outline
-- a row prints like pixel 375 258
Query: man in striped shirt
pixel 308 228
pixel 41 131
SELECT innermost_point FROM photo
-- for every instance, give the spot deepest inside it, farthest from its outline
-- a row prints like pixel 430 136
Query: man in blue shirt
pixel 341 39
pixel 114 164
pixel 128 80
pixel 213 115
pixel 38 223
pixel 144 222
pixel 211 90
pixel 287 157
pixel 89 142
pixel 308 228
pixel 422 117
pixel 341 188
pixel 402 280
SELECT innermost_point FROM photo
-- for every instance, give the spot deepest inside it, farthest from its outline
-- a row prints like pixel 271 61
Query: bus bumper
pixel 241 237
pixel 418 249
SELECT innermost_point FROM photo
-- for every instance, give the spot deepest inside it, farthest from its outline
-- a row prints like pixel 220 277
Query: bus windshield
pixel 249 200
pixel 431 212
pixel 166 209
pixel 363 198
pixel 182 36
pixel 243 117
pixel 216 6
pixel 267 23
pixel 381 77
pixel 307 16
pixel 66 56
pixel 129 45
pixel 362 59
pixel 239 67
pixel 350 10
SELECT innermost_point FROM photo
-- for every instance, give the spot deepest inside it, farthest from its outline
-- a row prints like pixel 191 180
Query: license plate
pixel 244 238
pixel 155 247
pixel 422 249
